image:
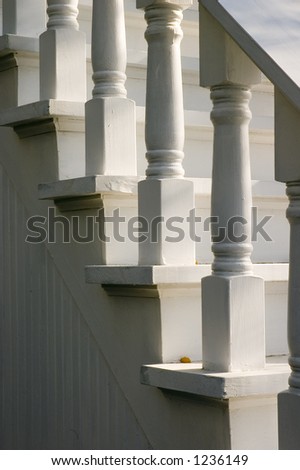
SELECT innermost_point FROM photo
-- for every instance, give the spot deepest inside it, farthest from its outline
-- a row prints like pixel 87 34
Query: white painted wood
pixel 215 42
pixel 147 3
pixel 233 327
pixel 164 101
pixel 110 136
pixel 140 281
pixel 244 416
pixel 274 26
pixel 289 401
pixel 62 14
pixel 18 17
pixel 198 129
pixel 113 324
pixel 9 81
pixel 42 110
pixel 115 321
pixel 18 70
pixel 179 308
pixel 109 55
pixel 62 54
pixel 193 379
pixel 288 419
pixel 164 203
pixel 110 116
pixel 162 196
pixel 276 316
pixel 58 390
pixel 66 119
pixel 269 198
pixel 231 180
pixel 287 139
pixel 120 248
pixel 145 275
pixel 178 291
pixel 87 186
pixel 255 33
pixel 151 275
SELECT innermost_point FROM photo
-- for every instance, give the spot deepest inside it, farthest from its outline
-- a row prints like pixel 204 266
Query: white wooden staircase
pixel 85 326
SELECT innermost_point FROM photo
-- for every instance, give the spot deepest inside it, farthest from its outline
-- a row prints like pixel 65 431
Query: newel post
pixel 232 298
pixel 165 196
pixel 110 115
pixel 62 54
pixel 23 17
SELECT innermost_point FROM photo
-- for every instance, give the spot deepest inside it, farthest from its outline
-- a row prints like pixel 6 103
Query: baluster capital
pixel 293 210
pixel 62 14
pixel 231 104
pixel 163 19
pixel 182 4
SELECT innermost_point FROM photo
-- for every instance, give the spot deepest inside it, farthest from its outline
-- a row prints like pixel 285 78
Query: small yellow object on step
pixel 185 359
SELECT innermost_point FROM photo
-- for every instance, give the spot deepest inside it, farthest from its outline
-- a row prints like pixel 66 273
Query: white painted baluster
pixel 24 17
pixel 62 54
pixel 287 169
pixel 231 180
pixel 164 106
pixel 165 194
pixel 110 115
pixel 293 215
pixel 232 299
pixel 289 400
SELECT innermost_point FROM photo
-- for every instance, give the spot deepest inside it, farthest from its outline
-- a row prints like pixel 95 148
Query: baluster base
pixel 164 210
pixel 62 65
pixel 110 136
pixel 289 419
pixel 233 322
